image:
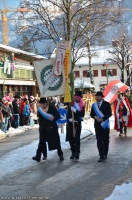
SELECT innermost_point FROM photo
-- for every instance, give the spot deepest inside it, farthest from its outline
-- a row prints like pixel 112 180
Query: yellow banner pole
pixel 67 65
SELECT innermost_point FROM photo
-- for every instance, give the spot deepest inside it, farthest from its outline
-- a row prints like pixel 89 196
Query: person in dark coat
pixel 16 111
pixel 48 130
pixel 101 112
pixel 74 118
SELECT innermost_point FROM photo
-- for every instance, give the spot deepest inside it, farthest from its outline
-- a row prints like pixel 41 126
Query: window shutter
pixel 95 73
pixel 114 72
pixel 85 73
pixel 77 74
pixel 103 72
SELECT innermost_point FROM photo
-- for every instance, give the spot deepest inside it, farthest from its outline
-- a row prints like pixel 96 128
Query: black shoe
pixel 61 157
pixel 36 158
pixel 101 160
pixel 45 158
pixel 105 157
pixel 77 156
pixel 72 156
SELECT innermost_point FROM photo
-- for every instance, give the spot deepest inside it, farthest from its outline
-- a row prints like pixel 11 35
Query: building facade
pixel 17 73
pixel 99 72
pixel 99 66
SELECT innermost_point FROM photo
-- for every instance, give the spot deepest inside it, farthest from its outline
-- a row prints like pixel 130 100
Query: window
pixel 77 74
pixel 111 72
pixel 103 72
pixel 114 72
pixel 95 73
pixel 86 73
pixel 10 88
pixel 16 88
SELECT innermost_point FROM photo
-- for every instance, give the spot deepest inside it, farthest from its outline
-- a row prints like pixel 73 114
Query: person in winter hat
pixel 48 130
pixel 76 112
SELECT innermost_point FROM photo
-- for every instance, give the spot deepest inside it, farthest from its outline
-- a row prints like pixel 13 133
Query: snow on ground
pixel 13 131
pixel 121 192
pixel 21 157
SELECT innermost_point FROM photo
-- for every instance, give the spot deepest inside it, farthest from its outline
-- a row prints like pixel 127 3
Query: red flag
pixel 110 92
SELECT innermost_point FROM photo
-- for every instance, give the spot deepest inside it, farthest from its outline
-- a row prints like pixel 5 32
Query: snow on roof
pixel 100 57
pixel 18 51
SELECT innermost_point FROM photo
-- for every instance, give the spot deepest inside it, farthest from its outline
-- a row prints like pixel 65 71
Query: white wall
pixel 24 64
pixel 100 79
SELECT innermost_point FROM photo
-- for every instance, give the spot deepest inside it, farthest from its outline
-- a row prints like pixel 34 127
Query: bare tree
pixel 122 55
pixel 48 50
pixel 79 21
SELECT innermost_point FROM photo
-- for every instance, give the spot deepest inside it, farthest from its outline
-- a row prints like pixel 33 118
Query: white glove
pixel 73 109
pixel 128 113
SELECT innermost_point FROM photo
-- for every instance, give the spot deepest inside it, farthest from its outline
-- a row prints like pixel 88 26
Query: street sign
pixel 63 113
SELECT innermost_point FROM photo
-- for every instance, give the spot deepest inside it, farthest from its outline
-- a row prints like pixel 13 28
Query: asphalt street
pixel 68 180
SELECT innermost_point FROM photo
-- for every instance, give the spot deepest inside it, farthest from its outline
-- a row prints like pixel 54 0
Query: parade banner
pixel 67 66
pixel 61 48
pixel 49 84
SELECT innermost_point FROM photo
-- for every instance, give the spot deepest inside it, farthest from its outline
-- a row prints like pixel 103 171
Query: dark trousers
pixel 21 119
pixel 26 120
pixel 74 142
pixel 42 147
pixel 121 127
pixel 16 120
pixel 102 136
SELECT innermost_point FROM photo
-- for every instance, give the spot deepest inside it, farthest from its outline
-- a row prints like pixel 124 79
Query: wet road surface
pixel 69 180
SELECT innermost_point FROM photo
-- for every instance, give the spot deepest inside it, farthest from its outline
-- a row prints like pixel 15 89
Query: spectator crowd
pixel 17 111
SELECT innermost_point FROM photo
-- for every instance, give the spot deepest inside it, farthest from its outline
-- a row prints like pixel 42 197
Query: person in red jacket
pixel 122 114
pixel 22 104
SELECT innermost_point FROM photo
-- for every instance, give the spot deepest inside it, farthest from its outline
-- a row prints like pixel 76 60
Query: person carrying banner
pixel 101 112
pixel 122 114
pixel 74 118
pixel 48 130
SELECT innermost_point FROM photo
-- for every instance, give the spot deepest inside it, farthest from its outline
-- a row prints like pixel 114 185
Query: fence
pixel 88 100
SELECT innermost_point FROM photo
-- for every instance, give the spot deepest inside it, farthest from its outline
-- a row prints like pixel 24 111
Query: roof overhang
pixel 21 54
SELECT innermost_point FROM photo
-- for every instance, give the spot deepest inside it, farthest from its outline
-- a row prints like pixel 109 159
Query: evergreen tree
pixel 25 45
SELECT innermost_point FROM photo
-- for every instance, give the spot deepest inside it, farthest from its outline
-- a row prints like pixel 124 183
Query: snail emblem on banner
pixel 46 74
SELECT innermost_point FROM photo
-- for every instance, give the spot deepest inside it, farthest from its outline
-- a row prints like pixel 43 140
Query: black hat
pixel 42 100
pixel 17 96
pixel 78 93
pixel 98 93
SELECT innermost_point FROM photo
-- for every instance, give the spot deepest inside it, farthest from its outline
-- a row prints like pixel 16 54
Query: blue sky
pixel 10 3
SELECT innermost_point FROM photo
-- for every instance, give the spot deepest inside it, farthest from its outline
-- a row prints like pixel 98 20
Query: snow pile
pixel 20 129
pixel 121 192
